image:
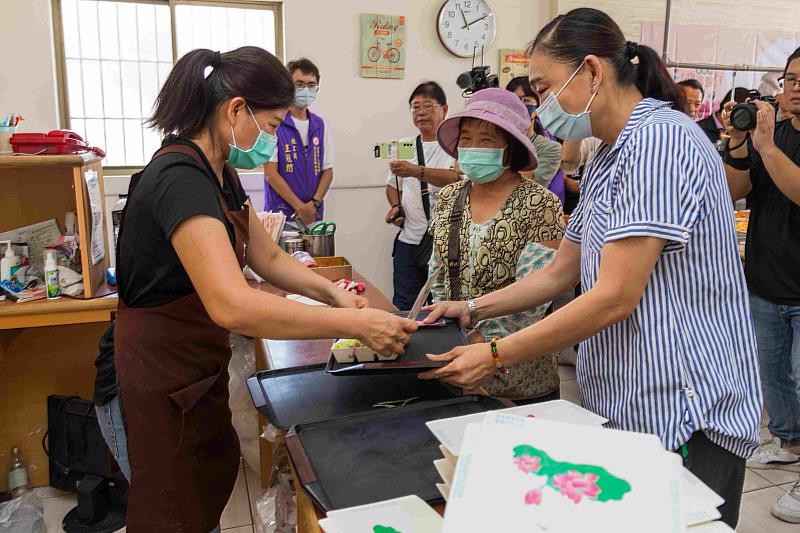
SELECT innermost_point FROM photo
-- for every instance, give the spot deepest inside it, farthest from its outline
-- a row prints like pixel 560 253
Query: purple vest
pixel 301 168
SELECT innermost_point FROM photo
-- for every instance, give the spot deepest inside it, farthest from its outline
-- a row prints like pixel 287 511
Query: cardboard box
pixel 333 268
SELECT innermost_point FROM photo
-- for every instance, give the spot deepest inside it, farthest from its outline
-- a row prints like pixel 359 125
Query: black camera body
pixel 743 116
pixel 477 79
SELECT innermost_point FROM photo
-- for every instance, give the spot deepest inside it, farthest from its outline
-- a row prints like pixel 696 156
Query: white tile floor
pixel 762 489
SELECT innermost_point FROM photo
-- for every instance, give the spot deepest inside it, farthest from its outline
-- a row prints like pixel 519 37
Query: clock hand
pixel 474 21
pixel 463 16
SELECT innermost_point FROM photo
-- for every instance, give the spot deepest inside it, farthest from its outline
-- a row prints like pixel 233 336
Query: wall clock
pixel 466 26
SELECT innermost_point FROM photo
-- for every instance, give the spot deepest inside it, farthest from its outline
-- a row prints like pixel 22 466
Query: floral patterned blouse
pixel 493 256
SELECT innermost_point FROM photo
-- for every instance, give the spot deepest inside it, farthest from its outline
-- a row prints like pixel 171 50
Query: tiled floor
pixel 762 489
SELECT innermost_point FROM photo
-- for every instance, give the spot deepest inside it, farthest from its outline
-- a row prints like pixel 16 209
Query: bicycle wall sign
pixel 383 46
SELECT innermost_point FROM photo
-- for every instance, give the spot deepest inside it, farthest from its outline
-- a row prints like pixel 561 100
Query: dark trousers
pixel 410 272
pixel 720 469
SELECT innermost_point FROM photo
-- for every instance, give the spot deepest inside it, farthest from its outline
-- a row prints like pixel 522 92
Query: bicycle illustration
pixel 387 51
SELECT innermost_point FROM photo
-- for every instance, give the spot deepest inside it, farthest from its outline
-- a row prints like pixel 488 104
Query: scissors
pixel 321 228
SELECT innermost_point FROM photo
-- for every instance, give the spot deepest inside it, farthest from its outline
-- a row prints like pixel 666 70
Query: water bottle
pixel 18 483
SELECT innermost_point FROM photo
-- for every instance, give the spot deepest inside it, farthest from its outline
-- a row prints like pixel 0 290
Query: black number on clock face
pixel 449 35
pixel 467 4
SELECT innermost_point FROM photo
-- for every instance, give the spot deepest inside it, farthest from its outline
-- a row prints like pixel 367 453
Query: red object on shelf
pixel 57 142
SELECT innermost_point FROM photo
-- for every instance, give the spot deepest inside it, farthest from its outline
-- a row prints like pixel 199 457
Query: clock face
pixel 466 26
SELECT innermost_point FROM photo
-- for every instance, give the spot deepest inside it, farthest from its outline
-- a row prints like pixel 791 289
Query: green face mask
pixel 260 153
pixel 481 165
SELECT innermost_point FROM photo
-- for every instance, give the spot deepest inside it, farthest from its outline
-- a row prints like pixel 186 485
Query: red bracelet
pixel 497 363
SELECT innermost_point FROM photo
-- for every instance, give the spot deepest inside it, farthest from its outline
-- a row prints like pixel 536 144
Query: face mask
pixel 562 124
pixel 304 97
pixel 481 165
pixel 260 153
pixel 531 108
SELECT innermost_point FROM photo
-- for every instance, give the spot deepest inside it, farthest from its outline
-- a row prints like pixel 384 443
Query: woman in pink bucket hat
pixel 495 226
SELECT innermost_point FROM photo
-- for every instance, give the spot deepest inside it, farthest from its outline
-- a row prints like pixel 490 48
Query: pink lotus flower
pixel 533 497
pixel 575 485
pixel 528 464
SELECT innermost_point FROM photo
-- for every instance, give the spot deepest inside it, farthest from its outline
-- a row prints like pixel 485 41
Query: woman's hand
pixel 457 310
pixel 404 169
pixel 383 332
pixel 470 366
pixel 347 300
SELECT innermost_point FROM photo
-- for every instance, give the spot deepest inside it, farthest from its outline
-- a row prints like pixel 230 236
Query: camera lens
pixel 743 117
pixel 464 80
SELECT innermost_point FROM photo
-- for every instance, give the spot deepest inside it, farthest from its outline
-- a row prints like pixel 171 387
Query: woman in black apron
pixel 187 231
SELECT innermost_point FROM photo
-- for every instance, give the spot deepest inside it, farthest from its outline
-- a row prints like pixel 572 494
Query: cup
pixel 5 139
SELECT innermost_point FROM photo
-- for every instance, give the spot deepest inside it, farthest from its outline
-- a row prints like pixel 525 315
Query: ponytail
pixel 203 79
pixel 569 38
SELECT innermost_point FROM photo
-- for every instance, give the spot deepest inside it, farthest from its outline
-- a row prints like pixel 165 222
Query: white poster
pixel 97 246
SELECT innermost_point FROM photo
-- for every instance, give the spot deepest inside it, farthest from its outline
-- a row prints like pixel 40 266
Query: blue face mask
pixel 562 124
pixel 304 97
pixel 260 153
pixel 481 165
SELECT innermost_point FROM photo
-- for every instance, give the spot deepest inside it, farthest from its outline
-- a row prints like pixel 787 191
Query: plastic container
pixel 10 263
pixel 5 139
pixel 51 277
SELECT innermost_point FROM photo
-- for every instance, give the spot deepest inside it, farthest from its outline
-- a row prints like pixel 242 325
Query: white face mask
pixel 562 124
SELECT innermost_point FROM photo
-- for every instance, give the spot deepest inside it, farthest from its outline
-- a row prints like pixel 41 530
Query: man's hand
pixel 307 213
pixel 763 134
pixel 404 169
pixel 393 217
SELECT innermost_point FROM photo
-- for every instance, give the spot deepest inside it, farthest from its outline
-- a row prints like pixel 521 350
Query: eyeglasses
pixel 794 82
pixel 301 85
pixel 416 108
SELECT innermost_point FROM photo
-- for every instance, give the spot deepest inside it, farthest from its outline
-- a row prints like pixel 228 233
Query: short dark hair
pixel 795 55
pixel 188 100
pixel 739 95
pixel 429 89
pixel 304 65
pixel 569 38
pixel 522 82
pixel 693 84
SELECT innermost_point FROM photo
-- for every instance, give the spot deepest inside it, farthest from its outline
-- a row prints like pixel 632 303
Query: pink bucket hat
pixel 502 108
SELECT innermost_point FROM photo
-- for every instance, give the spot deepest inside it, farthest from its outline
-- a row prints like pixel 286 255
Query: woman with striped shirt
pixel 667 345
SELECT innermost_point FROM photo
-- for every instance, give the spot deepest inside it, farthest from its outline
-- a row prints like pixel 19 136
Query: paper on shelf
pixel 37 236
pixel 97 244
pixel 450 431
pixel 409 514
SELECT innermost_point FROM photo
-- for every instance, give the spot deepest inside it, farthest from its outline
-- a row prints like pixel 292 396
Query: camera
pixel 477 79
pixel 743 116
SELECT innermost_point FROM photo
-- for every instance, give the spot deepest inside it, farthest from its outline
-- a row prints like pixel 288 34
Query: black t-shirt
pixel 772 258
pixel 171 189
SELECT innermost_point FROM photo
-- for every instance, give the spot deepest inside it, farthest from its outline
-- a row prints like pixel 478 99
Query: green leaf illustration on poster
pixel 384 529
pixel 383 46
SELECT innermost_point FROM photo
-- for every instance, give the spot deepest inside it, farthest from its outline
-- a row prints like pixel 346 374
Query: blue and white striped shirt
pixel 685 360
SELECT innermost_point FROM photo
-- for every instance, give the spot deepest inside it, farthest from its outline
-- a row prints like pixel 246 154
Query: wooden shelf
pixel 34 161
pixel 60 312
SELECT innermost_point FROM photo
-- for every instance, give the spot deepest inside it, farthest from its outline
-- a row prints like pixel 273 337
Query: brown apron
pixel 172 370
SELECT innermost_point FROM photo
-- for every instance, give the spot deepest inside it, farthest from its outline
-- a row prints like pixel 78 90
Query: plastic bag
pixel 276 509
pixel 22 515
pixel 245 416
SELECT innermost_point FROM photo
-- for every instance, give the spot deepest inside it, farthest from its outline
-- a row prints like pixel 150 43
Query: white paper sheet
pixel 409 514
pixel 536 475
pixel 304 300
pixel 450 431
pixel 37 236
pixel 97 246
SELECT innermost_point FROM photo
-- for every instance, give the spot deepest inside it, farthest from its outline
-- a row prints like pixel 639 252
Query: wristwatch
pixel 316 202
pixel 472 307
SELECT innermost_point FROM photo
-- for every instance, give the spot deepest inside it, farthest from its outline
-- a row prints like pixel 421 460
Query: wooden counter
pixel 64 311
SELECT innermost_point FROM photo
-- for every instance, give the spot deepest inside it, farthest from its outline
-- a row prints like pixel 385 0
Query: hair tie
pixel 631 49
pixel 215 62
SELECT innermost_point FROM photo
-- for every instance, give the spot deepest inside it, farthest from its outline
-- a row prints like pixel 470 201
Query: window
pixel 114 56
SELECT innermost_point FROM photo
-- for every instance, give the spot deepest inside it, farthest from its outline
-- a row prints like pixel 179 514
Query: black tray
pixel 434 340
pixel 309 394
pixel 376 456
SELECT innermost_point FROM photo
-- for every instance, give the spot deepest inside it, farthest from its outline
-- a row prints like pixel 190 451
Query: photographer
pixel 764 163
pixel 411 189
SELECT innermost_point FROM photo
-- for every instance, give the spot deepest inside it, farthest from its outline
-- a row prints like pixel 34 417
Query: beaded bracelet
pixel 497 363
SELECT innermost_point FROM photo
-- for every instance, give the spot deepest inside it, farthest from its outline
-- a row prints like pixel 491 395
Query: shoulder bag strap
pixel 423 185
pixel 454 243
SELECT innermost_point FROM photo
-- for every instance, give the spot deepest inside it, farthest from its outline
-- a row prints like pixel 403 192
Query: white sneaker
pixel 771 452
pixel 787 508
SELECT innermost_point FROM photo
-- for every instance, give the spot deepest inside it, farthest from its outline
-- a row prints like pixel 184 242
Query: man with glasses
pixel 301 170
pixel 766 161
pixel 411 189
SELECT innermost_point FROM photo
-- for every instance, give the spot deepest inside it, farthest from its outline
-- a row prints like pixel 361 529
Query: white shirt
pixel 302 129
pixel 415 223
